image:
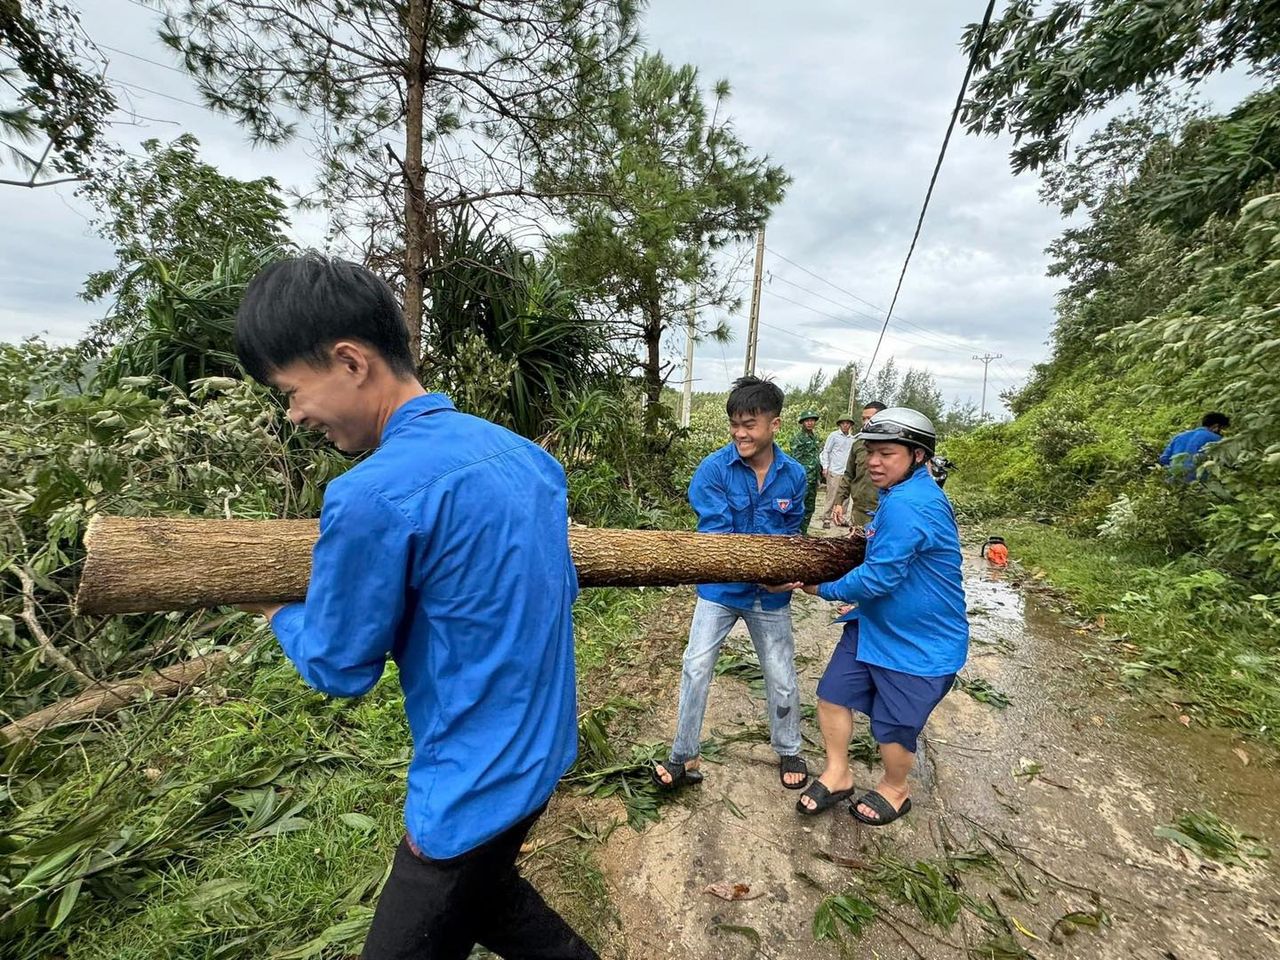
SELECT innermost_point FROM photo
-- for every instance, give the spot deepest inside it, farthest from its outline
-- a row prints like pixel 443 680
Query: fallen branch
pixel 105 698
pixel 48 648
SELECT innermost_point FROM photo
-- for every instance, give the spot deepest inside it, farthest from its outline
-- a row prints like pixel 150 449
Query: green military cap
pixel 807 415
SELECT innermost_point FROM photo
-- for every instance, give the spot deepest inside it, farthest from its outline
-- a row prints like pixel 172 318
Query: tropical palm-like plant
pixel 186 328
pixel 546 347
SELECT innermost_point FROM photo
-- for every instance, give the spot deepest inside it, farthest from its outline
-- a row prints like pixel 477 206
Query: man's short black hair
pixel 875 405
pixel 1215 420
pixel 753 395
pixel 296 309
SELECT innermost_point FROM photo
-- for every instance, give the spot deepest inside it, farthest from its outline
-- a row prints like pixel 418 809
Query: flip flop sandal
pixel 793 764
pixel 680 777
pixel 884 809
pixel 823 799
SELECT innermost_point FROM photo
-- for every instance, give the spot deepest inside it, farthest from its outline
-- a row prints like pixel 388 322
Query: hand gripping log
pixel 140 565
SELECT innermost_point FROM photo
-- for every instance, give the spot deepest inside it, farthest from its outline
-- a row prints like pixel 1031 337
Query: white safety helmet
pixel 901 425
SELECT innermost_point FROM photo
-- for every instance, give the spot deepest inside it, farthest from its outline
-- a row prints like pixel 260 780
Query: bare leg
pixel 836 724
pixel 898 761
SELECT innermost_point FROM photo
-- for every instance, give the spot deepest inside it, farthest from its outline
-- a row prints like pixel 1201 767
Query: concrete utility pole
pixel 986 359
pixel 753 323
pixel 853 396
pixel 690 330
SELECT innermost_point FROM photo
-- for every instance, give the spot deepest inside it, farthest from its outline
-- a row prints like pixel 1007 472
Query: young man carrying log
pixel 409 544
pixel 909 635
pixel 748 486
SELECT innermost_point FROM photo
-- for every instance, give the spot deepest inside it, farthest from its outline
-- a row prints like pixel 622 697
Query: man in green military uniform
pixel 805 449
pixel 855 485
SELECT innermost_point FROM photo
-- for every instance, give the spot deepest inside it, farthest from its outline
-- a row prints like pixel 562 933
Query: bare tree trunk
pixel 652 367
pixel 414 188
pixel 137 565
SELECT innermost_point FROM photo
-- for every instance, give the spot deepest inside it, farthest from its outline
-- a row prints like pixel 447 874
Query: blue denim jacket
pixel 909 588
pixel 422 557
pixel 724 495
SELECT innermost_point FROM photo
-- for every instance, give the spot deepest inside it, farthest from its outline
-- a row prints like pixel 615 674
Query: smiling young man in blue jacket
pixel 404 568
pixel 748 486
pixel 909 635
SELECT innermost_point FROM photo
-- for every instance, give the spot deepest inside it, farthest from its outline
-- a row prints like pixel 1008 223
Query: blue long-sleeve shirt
pixel 909 589
pixel 1184 451
pixel 724 494
pixel 422 557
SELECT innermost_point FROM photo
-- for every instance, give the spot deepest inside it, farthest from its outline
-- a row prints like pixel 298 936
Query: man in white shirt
pixel 834 456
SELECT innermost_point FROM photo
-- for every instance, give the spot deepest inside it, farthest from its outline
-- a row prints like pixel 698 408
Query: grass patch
pixel 1183 623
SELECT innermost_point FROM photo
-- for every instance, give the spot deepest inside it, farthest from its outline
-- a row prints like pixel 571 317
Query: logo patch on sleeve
pixel 783 504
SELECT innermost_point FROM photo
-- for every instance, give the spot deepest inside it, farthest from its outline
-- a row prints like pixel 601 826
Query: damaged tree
pixel 137 565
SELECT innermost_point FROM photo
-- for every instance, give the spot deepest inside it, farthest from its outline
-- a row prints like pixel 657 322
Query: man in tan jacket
pixel 855 485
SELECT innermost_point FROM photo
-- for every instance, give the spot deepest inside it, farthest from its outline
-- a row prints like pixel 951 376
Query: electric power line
pixel 863 300
pixel 907 338
pixel 136 56
pixel 955 115
pixel 157 93
pixel 801 336
pixel 960 346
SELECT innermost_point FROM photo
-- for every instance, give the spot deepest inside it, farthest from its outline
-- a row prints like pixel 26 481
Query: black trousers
pixel 439 909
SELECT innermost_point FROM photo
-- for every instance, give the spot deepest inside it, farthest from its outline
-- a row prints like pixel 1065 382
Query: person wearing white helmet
pixel 907 637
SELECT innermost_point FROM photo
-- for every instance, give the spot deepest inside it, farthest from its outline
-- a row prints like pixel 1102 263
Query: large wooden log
pixel 138 565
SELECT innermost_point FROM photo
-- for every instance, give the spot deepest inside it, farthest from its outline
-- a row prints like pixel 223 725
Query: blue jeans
pixel 771 635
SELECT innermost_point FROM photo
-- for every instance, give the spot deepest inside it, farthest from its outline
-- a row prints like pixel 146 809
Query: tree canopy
pixel 415 108
pixel 1045 65
pixel 673 186
pixel 57 100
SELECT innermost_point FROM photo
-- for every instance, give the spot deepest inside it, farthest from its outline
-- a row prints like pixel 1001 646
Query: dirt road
pixel 1043 810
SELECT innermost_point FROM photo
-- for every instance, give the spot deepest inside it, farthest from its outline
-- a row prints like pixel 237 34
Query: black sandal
pixel 680 776
pixel 823 799
pixel 885 812
pixel 793 764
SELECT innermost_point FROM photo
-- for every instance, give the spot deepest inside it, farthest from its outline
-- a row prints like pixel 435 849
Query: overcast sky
pixel 852 99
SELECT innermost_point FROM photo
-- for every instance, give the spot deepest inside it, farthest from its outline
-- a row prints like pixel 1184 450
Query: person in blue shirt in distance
pixel 747 486
pixel 909 635
pixel 403 568
pixel 1185 451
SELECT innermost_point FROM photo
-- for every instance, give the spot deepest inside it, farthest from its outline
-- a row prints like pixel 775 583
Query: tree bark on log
pixel 141 565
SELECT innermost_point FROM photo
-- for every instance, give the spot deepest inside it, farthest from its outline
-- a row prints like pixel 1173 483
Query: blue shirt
pixel 909 589
pixel 724 494
pixel 422 557
pixel 1183 452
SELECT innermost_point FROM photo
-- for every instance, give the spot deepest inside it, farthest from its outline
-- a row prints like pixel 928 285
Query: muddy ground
pixel 1035 812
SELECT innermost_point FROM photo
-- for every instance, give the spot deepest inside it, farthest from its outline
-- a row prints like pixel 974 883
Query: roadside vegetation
pixel 1168 311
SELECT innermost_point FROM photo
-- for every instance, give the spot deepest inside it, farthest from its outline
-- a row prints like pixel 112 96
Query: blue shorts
pixel 897 703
